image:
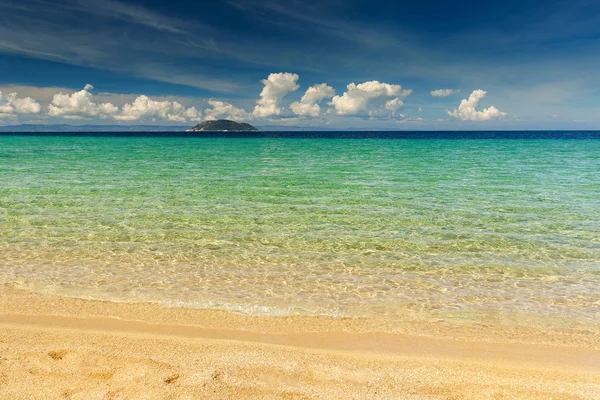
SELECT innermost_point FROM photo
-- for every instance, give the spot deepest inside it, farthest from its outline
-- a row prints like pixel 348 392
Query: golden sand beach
pixel 64 348
pixel 280 267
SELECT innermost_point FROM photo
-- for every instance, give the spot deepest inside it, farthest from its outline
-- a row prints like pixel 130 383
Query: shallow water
pixel 285 225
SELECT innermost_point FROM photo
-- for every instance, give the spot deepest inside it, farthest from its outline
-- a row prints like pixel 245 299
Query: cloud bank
pixel 371 99
pixel 467 110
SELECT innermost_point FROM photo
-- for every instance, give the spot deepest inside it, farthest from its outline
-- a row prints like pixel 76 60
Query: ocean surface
pixel 374 224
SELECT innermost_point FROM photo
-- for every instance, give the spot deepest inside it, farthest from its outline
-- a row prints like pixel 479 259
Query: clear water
pixel 284 225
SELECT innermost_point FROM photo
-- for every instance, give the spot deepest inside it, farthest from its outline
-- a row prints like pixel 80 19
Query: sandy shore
pixel 55 347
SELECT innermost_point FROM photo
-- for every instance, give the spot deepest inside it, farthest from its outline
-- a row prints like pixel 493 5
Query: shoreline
pixel 90 349
pixel 478 326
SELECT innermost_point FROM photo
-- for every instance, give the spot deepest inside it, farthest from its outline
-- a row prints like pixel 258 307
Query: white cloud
pixel 41 94
pixel 394 105
pixel 108 109
pixel 224 110
pixel 193 114
pixel 144 107
pixel 103 105
pixel 467 110
pixel 409 120
pixel 444 92
pixel 420 109
pixel 79 105
pixel 11 105
pixel 366 98
pixel 277 86
pixel 307 106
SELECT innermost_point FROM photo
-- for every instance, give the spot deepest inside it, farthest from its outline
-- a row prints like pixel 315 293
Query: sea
pixel 383 224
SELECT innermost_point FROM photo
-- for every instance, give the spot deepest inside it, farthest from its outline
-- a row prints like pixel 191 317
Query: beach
pixel 56 347
pixel 319 268
pixel 267 199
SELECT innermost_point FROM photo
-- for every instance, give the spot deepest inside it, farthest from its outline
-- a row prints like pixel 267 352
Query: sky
pixel 335 64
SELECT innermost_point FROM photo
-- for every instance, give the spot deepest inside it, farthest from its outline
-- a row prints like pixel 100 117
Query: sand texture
pixel 60 348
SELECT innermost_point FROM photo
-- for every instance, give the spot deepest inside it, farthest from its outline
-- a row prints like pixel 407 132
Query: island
pixel 223 125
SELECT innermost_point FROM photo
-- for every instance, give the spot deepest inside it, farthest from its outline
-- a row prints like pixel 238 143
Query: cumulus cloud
pixel 223 110
pixel 79 105
pixel 394 105
pixel 143 107
pixel 11 105
pixel 308 105
pixel 277 86
pixel 366 98
pixel 193 114
pixel 444 92
pixel 467 110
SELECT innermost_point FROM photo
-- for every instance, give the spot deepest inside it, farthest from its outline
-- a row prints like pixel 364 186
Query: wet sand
pixel 57 347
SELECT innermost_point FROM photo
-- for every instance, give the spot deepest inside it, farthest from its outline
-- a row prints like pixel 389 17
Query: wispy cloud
pixel 135 14
pixel 138 51
pixel 308 16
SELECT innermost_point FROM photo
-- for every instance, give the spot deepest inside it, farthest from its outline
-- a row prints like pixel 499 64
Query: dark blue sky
pixel 517 64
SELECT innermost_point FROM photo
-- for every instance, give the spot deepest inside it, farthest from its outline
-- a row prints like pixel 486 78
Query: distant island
pixel 223 125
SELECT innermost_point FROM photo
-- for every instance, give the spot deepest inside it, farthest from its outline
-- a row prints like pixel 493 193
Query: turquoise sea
pixel 280 224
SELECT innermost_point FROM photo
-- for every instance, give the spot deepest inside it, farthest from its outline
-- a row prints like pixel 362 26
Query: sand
pixel 62 348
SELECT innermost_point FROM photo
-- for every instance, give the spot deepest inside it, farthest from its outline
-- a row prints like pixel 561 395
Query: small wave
pixel 250 309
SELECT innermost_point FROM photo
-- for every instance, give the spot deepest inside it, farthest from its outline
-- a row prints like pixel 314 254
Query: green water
pixel 279 226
